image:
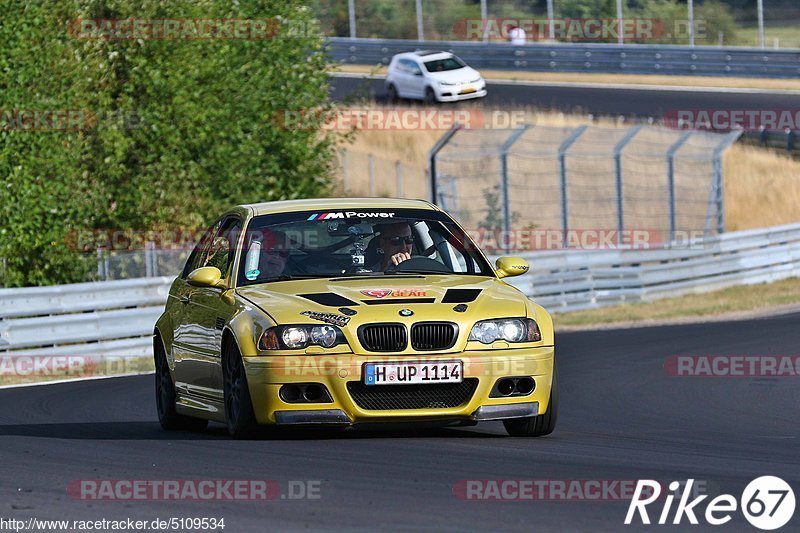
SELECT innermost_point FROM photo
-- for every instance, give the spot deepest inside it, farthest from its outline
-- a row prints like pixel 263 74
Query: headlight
pixel 476 80
pixel 295 337
pixel 506 329
pixel 446 83
pixel 323 335
pixel 300 336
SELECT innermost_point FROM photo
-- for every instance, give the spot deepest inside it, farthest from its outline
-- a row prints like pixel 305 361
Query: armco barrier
pixel 606 58
pixel 116 318
pixel 113 318
pixel 569 280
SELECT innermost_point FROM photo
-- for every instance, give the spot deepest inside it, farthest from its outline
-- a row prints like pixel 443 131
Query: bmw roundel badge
pixel 406 312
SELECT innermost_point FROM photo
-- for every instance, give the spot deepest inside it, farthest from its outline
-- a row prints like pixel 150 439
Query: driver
pixel 396 241
pixel 274 252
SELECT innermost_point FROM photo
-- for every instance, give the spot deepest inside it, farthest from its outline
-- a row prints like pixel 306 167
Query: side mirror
pixel 206 277
pixel 511 266
pixel 417 73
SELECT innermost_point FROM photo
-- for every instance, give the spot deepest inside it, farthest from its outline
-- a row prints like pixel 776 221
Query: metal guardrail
pixel 595 57
pixel 121 314
pixel 564 281
pixel 112 318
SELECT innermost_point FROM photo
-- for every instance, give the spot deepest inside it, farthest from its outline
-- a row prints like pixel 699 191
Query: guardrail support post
pixel 441 143
pixel 562 173
pixel 628 137
pixel 671 180
pixel 514 137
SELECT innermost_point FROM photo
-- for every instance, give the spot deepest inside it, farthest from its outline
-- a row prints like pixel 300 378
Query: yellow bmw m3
pixel 347 311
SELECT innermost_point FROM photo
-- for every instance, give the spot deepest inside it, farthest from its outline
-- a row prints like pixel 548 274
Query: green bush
pixel 183 130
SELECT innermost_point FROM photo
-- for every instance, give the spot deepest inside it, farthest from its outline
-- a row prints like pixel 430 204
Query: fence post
pixel 371 168
pixel 148 259
pixel 345 170
pixel 628 137
pixel 398 172
pixel 671 180
pixel 718 183
pixel 562 173
pixel 351 11
pixel 441 143
pixel 515 135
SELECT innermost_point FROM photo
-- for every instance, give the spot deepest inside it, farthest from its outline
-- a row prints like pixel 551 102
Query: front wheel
pixel 391 93
pixel 165 397
pixel 537 426
pixel 239 415
pixel 430 96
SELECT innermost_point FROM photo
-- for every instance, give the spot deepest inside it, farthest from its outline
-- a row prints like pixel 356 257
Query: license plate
pixel 409 373
pixel 467 91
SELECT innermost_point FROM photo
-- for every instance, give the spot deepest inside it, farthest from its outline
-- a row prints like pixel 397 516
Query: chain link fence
pixel 147 263
pixel 588 178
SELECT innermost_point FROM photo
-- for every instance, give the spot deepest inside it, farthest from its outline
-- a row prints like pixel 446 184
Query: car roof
pixel 426 55
pixel 330 204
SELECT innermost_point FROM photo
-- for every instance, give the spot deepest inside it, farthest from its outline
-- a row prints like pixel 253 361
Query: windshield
pixel 443 65
pixel 356 243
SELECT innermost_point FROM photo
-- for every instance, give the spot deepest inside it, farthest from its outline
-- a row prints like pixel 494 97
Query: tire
pixel 391 94
pixel 537 426
pixel 430 96
pixel 239 414
pixel 169 419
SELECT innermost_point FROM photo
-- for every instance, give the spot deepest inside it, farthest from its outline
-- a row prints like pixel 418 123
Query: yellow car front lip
pixel 266 375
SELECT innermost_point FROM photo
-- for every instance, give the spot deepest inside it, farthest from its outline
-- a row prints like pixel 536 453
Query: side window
pixel 412 67
pixel 198 255
pixel 223 246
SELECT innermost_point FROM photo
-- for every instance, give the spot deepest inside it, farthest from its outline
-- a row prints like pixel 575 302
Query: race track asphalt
pixel 643 103
pixel 622 417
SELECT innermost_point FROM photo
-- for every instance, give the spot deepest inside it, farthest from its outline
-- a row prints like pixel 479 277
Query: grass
pixel 18 369
pixel 742 298
pixel 788 36
pixel 762 186
pixel 601 78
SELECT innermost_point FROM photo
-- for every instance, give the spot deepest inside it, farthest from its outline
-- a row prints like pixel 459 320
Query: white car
pixel 433 77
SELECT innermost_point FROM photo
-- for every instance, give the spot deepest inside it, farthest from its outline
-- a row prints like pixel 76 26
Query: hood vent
pixel 329 299
pixel 460 296
pixel 400 301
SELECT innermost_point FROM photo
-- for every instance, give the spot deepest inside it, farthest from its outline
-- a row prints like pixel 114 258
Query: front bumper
pixel 266 375
pixel 454 94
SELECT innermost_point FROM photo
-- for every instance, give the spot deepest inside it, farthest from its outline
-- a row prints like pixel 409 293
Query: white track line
pixel 615 86
pixel 73 380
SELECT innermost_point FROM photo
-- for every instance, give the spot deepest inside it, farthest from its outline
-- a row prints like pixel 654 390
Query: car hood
pixel 462 75
pixel 429 298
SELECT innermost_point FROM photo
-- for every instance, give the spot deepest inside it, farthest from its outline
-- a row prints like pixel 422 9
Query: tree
pixel 176 130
